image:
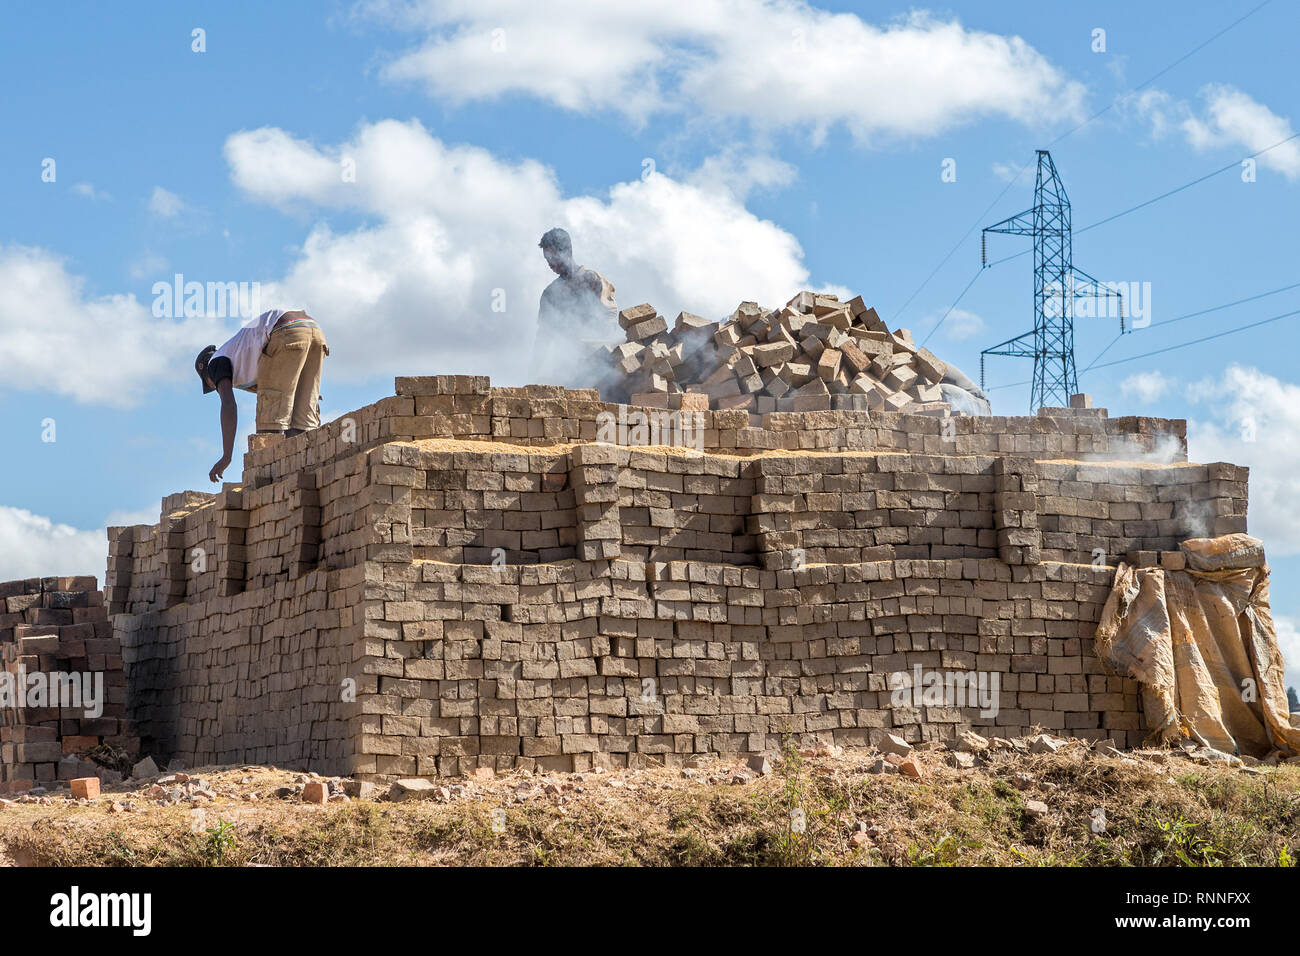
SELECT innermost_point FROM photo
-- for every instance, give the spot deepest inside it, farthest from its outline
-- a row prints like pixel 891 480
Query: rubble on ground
pixel 892 755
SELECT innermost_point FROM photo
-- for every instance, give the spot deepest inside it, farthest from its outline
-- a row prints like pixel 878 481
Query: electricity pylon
pixel 1057 283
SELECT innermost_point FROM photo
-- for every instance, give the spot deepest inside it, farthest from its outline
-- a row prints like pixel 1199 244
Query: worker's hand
pixel 219 469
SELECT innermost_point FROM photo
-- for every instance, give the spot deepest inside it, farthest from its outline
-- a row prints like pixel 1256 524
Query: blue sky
pixel 700 154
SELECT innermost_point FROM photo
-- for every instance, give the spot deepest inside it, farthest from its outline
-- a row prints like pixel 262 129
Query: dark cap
pixel 558 240
pixel 201 366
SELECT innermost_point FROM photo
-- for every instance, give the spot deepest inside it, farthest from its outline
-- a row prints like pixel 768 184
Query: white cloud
pixel 1229 118
pixel 1288 641
pixel 148 266
pixel 122 517
pixel 411 292
pixel 1156 107
pixel 88 191
pixel 33 546
pixel 1008 171
pixel 741 172
pixel 1253 419
pixel 164 204
pixel 772 63
pixel 1147 387
pixel 107 349
pixel 961 324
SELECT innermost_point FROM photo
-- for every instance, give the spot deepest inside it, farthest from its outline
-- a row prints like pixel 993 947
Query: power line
pixel 1206 338
pixel 994 388
pixel 964 237
pixel 1171 348
pixel 1151 79
pixel 1101 353
pixel 1069 132
pixel 1219 308
pixel 1165 195
pixel 1179 318
pixel 951 307
pixel 1192 315
pixel 1223 169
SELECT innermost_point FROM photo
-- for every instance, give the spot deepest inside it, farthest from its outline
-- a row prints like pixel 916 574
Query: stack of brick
pixel 261 676
pixel 1015 511
pixel 543 415
pixel 492 584
pixel 55 634
pixel 675 507
pixel 596 502
pixel 816 353
pixel 671 662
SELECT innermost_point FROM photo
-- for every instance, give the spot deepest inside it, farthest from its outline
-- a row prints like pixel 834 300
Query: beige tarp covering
pixel 1202 645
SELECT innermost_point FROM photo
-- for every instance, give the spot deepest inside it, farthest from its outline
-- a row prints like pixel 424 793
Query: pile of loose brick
pixel 814 354
pixel 60 626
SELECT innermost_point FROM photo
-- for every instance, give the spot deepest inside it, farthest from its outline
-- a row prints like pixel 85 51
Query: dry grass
pixel 1161 810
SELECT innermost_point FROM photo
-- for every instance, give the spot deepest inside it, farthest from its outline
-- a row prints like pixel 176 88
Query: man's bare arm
pixel 229 425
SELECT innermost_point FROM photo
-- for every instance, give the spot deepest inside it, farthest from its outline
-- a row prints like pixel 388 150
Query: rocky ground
pixel 1037 801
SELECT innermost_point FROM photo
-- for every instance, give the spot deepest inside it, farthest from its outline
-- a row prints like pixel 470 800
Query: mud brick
pixel 21 602
pixel 836 319
pixel 828 365
pixel 802 302
pixel 737 401
pixel 743 365
pixel 38 752
pixel 927 393
pixel 871 320
pixel 728 336
pixel 903 340
pixel 795 374
pixel 687 321
pixel 825 305
pixel 441 385
pixel 651 399
pixel 32 641
pixel 636 314
pixel 855 358
pixel 12 588
pixel 811 348
pixel 900 378
pixel 775 353
pixel 647 328
pixel 1173 560
pixel 928 366
pixel 886 362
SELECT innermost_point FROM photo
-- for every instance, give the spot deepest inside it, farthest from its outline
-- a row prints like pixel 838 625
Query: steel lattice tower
pixel 1056 285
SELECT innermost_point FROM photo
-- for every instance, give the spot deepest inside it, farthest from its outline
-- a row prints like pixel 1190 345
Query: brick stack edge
pixel 462 576
pixel 59 626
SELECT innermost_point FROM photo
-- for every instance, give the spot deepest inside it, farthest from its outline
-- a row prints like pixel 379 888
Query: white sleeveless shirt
pixel 245 348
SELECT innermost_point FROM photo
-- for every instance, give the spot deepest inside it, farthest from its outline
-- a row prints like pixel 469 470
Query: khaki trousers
pixel 288 379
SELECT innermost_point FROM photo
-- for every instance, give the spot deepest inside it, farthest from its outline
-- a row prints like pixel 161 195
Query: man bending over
pixel 279 356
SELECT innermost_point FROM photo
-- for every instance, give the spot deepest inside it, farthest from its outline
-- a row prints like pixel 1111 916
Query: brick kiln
pixel 462 576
